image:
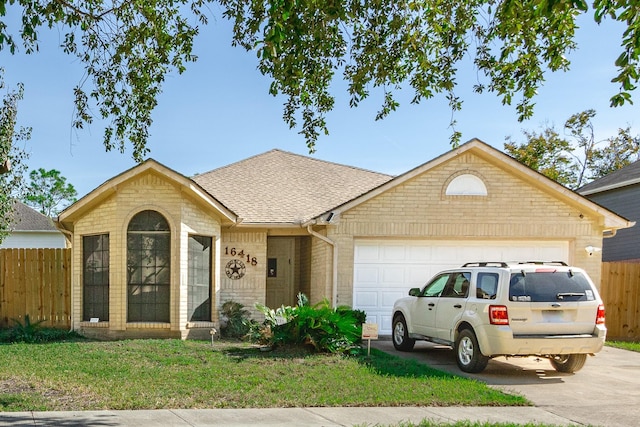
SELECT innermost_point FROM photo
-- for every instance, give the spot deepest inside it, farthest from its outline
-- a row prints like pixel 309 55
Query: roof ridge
pixel 290 153
pixel 234 163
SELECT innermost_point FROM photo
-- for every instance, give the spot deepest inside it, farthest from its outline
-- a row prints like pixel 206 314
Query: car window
pixel 457 286
pixel 550 286
pixel 435 287
pixel 487 285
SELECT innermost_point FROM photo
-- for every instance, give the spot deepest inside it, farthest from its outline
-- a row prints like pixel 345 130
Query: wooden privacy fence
pixel 620 291
pixel 36 282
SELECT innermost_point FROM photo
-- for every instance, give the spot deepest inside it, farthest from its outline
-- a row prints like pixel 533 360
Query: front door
pixel 280 263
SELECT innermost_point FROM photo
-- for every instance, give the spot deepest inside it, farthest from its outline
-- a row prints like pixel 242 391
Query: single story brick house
pixel 156 253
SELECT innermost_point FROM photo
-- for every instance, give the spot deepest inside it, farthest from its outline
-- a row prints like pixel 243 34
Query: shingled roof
pixel 285 188
pixel 628 175
pixel 29 219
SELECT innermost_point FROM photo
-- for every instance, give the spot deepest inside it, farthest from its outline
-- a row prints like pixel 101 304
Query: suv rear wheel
pixel 401 340
pixel 568 363
pixel 468 355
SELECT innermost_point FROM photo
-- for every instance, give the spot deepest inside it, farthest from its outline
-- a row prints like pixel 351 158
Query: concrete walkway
pixel 281 417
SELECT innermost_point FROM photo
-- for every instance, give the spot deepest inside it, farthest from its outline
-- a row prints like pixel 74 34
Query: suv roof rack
pixel 506 264
pixel 562 263
pixel 487 264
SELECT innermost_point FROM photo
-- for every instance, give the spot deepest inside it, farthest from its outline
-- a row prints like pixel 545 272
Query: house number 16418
pixel 240 254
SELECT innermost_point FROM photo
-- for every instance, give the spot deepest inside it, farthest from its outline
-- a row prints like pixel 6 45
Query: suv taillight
pixel 600 315
pixel 498 315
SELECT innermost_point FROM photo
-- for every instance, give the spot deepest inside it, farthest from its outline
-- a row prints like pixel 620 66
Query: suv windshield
pixel 549 286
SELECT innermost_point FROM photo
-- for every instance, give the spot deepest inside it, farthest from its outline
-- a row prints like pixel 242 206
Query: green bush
pixel 235 320
pixel 326 329
pixel 33 332
pixel 26 331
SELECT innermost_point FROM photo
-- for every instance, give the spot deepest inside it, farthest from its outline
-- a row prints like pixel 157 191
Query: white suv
pixel 489 309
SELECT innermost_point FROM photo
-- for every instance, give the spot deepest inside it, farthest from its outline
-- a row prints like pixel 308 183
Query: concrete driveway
pixel 606 392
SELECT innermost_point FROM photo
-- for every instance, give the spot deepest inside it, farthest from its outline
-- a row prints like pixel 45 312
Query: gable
pixel 424 198
pixel 506 180
pixel 148 183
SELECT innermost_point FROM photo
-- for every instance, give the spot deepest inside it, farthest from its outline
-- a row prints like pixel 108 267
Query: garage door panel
pixel 367 274
pixel 385 270
pixel 385 322
pixel 388 298
pixel 417 276
pixel 367 300
pixel 394 253
pixel 419 253
pixel 392 275
pixel 367 253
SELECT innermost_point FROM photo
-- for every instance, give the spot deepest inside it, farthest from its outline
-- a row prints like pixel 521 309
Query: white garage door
pixel 385 270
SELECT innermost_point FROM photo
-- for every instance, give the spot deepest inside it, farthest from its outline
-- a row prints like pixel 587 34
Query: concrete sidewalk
pixel 282 417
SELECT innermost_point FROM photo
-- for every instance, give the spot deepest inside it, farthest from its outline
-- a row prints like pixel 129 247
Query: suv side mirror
pixel 414 292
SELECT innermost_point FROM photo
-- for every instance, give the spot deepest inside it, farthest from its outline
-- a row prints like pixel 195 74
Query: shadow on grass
pixel 380 362
pixel 244 352
pixel 388 364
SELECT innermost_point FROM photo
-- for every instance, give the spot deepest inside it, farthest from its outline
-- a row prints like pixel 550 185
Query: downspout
pixel 334 278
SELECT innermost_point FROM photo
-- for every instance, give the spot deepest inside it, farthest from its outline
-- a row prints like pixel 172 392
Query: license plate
pixel 552 316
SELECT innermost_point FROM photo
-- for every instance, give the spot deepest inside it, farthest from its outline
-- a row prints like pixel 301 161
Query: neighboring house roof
pixel 628 175
pixel 612 221
pixel 279 187
pixel 29 219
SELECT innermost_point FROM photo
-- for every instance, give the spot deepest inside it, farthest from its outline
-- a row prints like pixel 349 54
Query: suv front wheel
pixel 468 355
pixel 401 340
pixel 568 363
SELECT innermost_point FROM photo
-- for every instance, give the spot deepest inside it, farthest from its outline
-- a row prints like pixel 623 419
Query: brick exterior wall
pixel 149 191
pixel 251 287
pixel 514 209
pixel 321 271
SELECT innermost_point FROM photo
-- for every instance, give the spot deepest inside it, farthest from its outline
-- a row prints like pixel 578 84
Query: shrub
pixel 32 332
pixel 26 331
pixel 326 329
pixel 235 320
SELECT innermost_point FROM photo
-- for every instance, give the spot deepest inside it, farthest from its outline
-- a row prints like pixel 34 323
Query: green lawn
pixel 139 374
pixel 625 345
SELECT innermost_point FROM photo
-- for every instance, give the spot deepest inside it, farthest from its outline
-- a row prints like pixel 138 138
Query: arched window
pixel 148 268
pixel 466 185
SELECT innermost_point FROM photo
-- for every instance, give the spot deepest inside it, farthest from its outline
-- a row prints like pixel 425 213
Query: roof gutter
pixel 612 231
pixel 334 275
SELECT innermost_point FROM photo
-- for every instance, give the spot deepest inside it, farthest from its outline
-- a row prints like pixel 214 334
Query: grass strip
pixel 151 374
pixel 625 345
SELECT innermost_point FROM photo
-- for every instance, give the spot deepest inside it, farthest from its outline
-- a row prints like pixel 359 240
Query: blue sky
pixel 219 112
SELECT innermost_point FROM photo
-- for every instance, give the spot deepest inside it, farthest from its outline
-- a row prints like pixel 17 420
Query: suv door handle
pixel 431 304
pixel 457 306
